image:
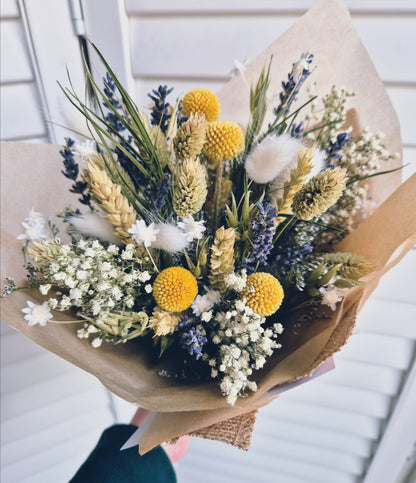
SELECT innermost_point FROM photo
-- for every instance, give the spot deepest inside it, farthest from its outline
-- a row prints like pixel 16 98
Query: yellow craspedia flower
pixel 224 141
pixel 175 289
pixel 263 293
pixel 202 101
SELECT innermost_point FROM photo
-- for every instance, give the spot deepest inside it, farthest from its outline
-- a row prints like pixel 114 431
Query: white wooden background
pixel 325 431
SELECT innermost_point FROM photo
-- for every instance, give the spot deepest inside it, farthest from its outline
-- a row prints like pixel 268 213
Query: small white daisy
pixel 193 230
pixel 331 297
pixel 37 314
pixel 143 234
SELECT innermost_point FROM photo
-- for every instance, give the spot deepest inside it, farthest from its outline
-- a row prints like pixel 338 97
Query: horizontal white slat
pixel 341 397
pixel 35 140
pixel 41 441
pixel 18 99
pixel 9 9
pixel 328 458
pixel 397 285
pixel 404 102
pixel 186 474
pixel 382 379
pixel 379 349
pixel 51 390
pixel 56 453
pixel 48 415
pixel 140 7
pixel 24 373
pixel 390 318
pixel 14 61
pixel 326 417
pixel 57 473
pixel 307 434
pixel 15 347
pixel 276 466
pixel 187 53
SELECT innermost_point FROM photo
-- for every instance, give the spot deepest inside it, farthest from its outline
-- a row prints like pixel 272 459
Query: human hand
pixel 175 451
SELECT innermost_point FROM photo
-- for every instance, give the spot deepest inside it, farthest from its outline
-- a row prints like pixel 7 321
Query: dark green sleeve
pixel 107 464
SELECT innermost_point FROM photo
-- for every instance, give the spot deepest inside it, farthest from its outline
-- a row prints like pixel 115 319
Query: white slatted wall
pixel 325 431
pixel 21 114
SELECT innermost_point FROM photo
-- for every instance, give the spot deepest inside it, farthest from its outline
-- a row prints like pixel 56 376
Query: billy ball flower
pixel 263 293
pixel 319 193
pixel 201 101
pixel 175 289
pixel 224 141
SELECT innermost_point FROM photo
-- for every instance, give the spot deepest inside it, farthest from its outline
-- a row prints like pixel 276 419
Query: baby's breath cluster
pixel 244 345
pixel 102 284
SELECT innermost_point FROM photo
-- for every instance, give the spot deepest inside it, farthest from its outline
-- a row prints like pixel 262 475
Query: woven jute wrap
pixel 31 177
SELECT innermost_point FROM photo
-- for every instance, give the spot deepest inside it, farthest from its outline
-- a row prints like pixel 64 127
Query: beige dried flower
pixel 162 322
pixel 159 142
pixel 352 266
pixel 222 257
pixel 190 137
pixel 43 252
pixel 118 210
pixel 319 193
pixel 189 187
pixel 108 164
pixel 297 178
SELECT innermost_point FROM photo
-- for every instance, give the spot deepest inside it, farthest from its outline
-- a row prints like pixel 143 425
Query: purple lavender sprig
pixel 71 172
pixel 160 111
pixel 263 228
pixel 333 151
pixel 192 340
pixel 296 77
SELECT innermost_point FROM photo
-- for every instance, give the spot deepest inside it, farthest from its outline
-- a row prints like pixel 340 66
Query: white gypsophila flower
pixel 203 303
pixel 236 282
pixel 331 296
pixel 52 303
pixel 144 276
pixel 271 157
pixel 37 314
pixel 92 224
pixel 44 289
pixel 96 342
pixel 143 234
pixel 148 288
pixel 170 238
pixel 193 229
pixel 206 316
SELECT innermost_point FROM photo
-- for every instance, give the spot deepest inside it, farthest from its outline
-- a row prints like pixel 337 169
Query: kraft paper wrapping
pixel 31 178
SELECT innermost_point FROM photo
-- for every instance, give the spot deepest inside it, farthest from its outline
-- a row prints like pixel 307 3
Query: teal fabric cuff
pixel 107 464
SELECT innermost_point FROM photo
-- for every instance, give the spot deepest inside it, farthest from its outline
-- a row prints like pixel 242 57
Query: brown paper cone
pixel 31 178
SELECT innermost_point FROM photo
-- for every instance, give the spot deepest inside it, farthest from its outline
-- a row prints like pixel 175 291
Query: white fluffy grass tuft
pixel 272 157
pixel 92 224
pixel 170 238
